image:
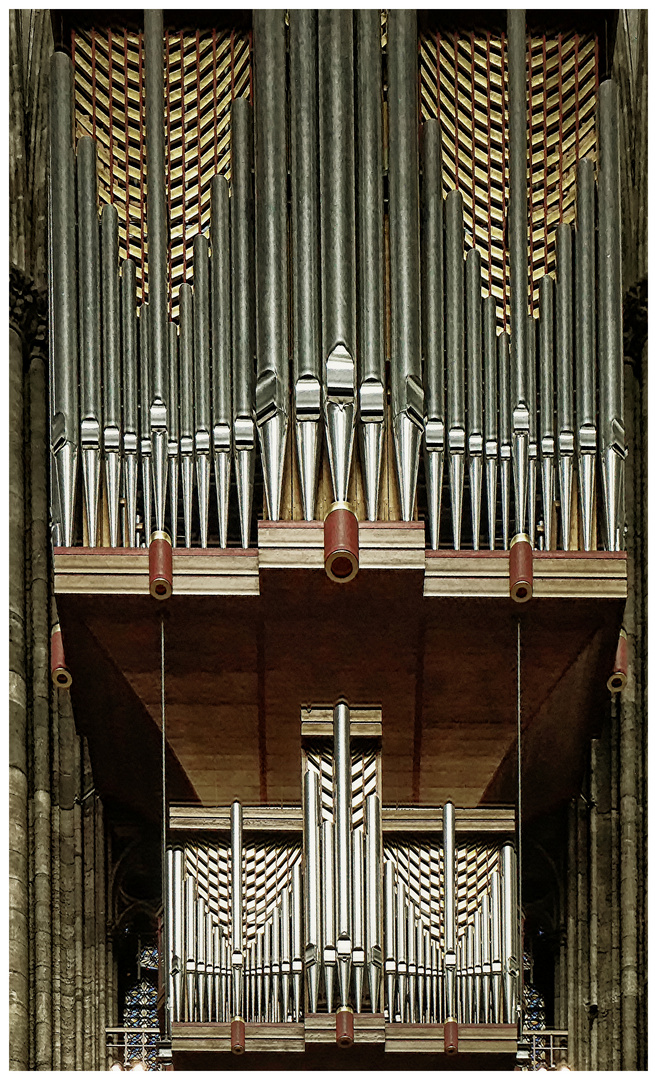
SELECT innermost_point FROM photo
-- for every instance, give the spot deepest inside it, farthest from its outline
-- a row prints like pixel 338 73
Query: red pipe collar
pixel 521 569
pixel 160 566
pixel 341 552
pixel 59 673
pixel 618 678
pixel 344 1027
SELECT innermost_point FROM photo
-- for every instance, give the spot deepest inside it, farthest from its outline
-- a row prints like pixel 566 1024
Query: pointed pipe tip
pixel 237 1035
pixel 160 566
pixel 451 1037
pixel 61 676
pixel 341 548
pixel 344 1027
pixel 618 678
pixel 521 569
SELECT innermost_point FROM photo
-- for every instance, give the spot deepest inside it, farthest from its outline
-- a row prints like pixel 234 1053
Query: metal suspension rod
pixel 404 199
pixel 89 308
pixel 304 161
pixel 202 421
pixel 156 219
pixel 518 264
pixel 111 336
pixel 221 348
pixel 369 218
pixel 433 331
pixel 130 397
pixel 269 56
pixel 610 313
pixel 165 864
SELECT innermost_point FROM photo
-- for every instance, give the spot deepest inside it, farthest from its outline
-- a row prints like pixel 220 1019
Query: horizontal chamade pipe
pixel 475 396
pixel 111 338
pixel 564 373
pixel 404 215
pixel 221 348
pixel 306 321
pixel 491 442
pixel 433 326
pixel 130 396
pixel 546 394
pixel 186 301
pixel 202 379
pixel 89 312
pixel 455 353
pixel 243 305
pixel 610 311
pixel 369 218
pixel 269 90
pixel 338 237
pixel 63 306
pixel 585 381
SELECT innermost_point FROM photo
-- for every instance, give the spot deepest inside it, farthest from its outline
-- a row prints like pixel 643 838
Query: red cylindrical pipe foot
pixel 237 1035
pixel 341 543
pixel 344 1027
pixel 160 566
pixel 521 569
pixel 59 672
pixel 618 677
pixel 451 1036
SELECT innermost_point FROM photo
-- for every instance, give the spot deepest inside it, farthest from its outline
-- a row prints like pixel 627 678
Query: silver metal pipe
pixel 402 955
pixel 63 307
pixel 276 964
pixel 174 431
pixel 286 954
pixel 546 389
pixel 358 919
pixel 297 942
pixel 433 327
pixel 477 967
pixel 225 979
pixel 390 939
pixel 242 262
pixel 186 299
pixel 130 397
pixel 156 221
pixel 111 336
pixel 404 216
pixel 200 959
pixel 486 968
pixel 261 1008
pixel 369 220
pixel 419 960
pixel 510 945
pixel 216 974
pixel 272 388
pixel 329 950
pixel 190 948
pixel 491 443
pixel 145 444
pixel 236 907
pixel 585 381
pixel 89 310
pixel 338 238
pixel 209 965
pixel 306 324
pixel 373 917
pixel 496 944
pixel 449 908
pixel 168 945
pixel 202 380
pixel 411 955
pixel 312 891
pixel 267 1006
pixel 610 313
pixel 503 375
pixel 177 931
pixel 532 446
pixel 518 259
pixel 564 358
pixel 221 348
pixel 469 976
pixel 475 418
pixel 343 844
pixel 427 977
pixel 455 354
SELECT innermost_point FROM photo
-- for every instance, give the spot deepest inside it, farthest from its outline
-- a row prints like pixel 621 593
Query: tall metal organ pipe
pixel 89 310
pixel 373 893
pixel 491 443
pixel 221 348
pixel 343 846
pixel 156 220
pixel 313 866
pixel 564 361
pixel 145 444
pixel 533 420
pixel 505 429
pixel 63 305
pixel 130 397
pixel 455 354
pixel 236 913
pixel 546 390
pixel 338 238
pixel 269 67
pixel 404 199
pixel 433 332
pixel 306 320
pixel 202 380
pixel 518 261
pixel 449 931
pixel 186 301
pixel 585 381
pixel 475 396
pixel 243 306
pixel 111 336
pixel 369 217
pixel 174 430
pixel 610 312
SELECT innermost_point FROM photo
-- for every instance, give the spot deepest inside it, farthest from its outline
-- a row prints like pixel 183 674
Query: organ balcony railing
pixel 283 355
pixel 404 915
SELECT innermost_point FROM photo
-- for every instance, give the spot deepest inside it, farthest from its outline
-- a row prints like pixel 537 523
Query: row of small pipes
pixel 177 398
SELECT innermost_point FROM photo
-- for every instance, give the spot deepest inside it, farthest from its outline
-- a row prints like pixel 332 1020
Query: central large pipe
pixel 236 926
pixel 343 845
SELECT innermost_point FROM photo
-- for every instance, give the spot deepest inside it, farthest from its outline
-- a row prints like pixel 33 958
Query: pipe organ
pixel 434 311
pixel 351 916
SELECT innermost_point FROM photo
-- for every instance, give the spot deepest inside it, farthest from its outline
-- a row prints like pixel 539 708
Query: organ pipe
pixel 343 846
pixel 145 444
pixel 564 362
pixel 237 937
pixel 89 311
pixel 221 348
pixel 491 443
pixel 111 344
pixel 186 300
pixel 546 386
pixel 433 333
pixel 202 409
pixel 130 397
pixel 455 354
pixel 174 429
pixel 585 381
pixel 475 395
